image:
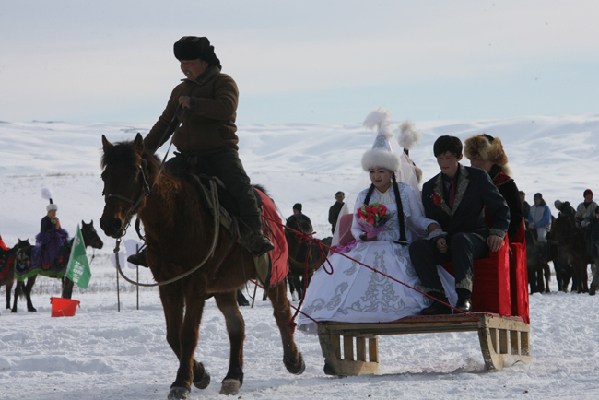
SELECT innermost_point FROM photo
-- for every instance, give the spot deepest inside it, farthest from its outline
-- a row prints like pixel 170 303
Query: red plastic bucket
pixel 63 307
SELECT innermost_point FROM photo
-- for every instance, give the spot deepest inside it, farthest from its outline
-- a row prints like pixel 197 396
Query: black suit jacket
pixel 474 192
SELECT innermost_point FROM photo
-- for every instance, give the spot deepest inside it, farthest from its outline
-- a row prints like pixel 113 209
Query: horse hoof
pixel 32 310
pixel 230 386
pixel 204 382
pixel 178 393
pixel 296 367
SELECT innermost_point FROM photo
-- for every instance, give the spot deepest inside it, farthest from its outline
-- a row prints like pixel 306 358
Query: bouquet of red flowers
pixel 372 218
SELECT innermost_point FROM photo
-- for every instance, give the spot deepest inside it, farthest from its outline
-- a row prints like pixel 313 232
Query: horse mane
pixel 124 153
pixel 261 188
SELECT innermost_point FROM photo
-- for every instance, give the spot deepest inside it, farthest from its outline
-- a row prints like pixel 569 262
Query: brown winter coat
pixel 209 127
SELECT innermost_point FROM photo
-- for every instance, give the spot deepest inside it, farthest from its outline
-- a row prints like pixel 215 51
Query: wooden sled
pixel 504 340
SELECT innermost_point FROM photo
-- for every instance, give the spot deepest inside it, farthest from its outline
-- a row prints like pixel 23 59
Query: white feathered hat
pixel 46 194
pixel 380 155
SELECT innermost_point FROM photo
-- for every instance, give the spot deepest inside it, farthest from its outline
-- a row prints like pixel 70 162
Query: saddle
pixel 270 267
pixel 7 258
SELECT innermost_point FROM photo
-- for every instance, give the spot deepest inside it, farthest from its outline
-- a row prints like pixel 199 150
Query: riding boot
pixel 437 307
pixel 464 300
pixel 138 258
pixel 241 300
pixel 259 244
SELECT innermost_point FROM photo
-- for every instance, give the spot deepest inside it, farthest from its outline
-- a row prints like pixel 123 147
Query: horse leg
pixel 27 292
pixel 547 277
pixel 67 288
pixel 540 284
pixel 9 286
pixel 227 305
pixel 585 278
pixel 290 283
pixel 291 356
pixel 18 291
pixel 532 278
pixel 182 332
pixel 299 282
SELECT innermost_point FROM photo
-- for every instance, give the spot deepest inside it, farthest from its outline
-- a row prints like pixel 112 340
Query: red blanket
pixel 273 228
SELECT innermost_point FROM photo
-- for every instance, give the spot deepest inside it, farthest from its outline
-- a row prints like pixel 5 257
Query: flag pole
pixel 118 294
pixel 137 278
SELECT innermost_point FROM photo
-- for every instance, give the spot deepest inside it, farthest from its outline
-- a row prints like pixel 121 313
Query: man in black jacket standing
pixel 457 198
pixel 336 208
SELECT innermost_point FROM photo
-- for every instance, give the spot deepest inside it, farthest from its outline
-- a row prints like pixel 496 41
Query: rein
pixel 308 236
pixel 210 253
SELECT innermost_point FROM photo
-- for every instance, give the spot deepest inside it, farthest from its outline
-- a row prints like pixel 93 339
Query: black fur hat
pixel 192 48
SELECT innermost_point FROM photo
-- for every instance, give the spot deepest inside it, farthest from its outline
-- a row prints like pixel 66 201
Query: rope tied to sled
pixel 302 236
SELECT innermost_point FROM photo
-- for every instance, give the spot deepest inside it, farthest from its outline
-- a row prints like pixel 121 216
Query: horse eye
pixel 133 177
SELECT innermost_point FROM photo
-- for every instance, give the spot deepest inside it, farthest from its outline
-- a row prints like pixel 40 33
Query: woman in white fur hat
pixel 355 293
pixel 52 239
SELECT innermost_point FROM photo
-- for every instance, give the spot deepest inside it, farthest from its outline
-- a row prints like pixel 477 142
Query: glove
pixel 531 225
pixel 584 224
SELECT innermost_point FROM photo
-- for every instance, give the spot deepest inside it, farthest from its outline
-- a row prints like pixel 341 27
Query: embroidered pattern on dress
pixel 380 295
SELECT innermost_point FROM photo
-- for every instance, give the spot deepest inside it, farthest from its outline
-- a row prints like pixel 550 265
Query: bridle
pixel 136 203
pixel 143 169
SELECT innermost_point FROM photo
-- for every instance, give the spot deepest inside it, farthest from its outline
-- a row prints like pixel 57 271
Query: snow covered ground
pixel 104 354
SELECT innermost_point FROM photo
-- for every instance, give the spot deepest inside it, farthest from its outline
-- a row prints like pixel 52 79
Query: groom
pixel 457 198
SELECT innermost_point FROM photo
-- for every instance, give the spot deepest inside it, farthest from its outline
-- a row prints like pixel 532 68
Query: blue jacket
pixel 544 221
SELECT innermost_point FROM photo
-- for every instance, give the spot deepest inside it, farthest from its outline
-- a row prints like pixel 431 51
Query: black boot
pixel 241 300
pixel 437 307
pixel 464 300
pixel 260 244
pixel 138 258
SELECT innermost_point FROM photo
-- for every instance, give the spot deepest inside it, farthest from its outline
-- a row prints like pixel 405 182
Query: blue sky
pixel 309 61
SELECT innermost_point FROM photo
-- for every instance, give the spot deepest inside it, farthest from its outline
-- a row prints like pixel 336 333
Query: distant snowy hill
pixel 305 163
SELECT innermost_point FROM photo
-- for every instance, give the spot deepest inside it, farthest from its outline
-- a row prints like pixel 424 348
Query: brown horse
pixel 90 238
pixel 180 231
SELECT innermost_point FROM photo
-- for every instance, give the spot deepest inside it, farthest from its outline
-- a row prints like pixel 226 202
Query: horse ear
pixel 105 143
pixel 139 143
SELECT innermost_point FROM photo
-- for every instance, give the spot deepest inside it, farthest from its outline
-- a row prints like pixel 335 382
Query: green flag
pixel 78 266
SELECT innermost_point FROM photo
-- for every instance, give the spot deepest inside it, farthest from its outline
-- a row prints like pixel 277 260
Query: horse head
pixel 564 227
pixel 21 244
pixel 128 173
pixel 300 251
pixel 531 236
pixel 90 235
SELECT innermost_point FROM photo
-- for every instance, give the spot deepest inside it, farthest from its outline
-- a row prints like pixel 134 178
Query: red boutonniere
pixel 437 199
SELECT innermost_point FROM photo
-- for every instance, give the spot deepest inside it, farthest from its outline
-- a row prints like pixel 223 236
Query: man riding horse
pixel 206 137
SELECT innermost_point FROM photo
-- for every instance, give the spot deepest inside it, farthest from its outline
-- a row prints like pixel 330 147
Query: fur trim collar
pixel 478 147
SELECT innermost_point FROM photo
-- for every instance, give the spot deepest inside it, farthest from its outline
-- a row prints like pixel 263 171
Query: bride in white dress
pixel 355 293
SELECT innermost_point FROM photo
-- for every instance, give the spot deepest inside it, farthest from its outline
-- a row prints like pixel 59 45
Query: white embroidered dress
pixel 355 293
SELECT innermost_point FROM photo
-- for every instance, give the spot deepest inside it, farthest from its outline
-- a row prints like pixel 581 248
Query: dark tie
pixel 452 194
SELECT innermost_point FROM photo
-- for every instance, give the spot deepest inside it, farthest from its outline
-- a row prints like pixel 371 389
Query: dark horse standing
pixel 7 266
pixel 304 258
pixel 536 262
pixel 180 231
pixel 571 251
pixel 90 237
